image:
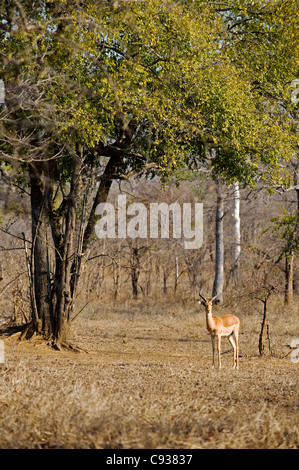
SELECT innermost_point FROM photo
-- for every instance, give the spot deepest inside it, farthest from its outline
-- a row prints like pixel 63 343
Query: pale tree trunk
pixel 296 181
pixel 236 232
pixel 219 260
pixel 290 255
pixel 289 275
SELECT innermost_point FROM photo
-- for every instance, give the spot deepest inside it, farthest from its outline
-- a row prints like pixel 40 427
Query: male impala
pixel 228 325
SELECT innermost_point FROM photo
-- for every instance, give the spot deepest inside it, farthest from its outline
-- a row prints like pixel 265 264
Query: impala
pixel 228 325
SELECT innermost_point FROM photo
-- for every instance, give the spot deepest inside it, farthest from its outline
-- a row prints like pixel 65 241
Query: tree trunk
pixel 52 299
pixel 41 303
pixel 289 275
pixel 219 261
pixel 296 181
pixel 176 273
pixel 53 288
pixel 135 263
pixel 263 327
pixel 236 232
pixel 115 279
pixel 264 321
pixel 101 197
pixel 64 283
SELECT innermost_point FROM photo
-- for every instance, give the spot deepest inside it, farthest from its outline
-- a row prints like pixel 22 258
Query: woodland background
pixel 185 101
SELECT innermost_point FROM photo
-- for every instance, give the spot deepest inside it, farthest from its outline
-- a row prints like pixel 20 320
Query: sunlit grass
pixel 147 383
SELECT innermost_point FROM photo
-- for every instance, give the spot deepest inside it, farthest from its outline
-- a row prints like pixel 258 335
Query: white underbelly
pixel 226 331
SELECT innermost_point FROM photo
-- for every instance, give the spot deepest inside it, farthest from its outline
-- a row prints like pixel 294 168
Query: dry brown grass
pixel 147 383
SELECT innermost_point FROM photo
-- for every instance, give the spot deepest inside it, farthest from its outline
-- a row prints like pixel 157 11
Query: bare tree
pixel 269 291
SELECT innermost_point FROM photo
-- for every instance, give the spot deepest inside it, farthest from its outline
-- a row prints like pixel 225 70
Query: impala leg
pixel 233 343
pixel 213 338
pixel 219 350
pixel 237 348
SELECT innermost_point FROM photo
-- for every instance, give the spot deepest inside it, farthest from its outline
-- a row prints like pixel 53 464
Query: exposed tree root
pixel 65 345
pixel 27 333
pixel 11 330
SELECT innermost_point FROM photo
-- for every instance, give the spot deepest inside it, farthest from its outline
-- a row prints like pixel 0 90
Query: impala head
pixel 208 303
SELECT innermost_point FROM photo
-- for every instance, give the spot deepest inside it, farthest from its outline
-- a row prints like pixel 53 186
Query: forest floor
pixel 147 382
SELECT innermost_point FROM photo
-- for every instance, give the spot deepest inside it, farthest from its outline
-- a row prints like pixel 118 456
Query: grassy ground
pixel 147 383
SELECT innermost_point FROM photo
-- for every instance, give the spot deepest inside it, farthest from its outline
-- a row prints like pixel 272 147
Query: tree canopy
pixel 161 81
pixel 97 91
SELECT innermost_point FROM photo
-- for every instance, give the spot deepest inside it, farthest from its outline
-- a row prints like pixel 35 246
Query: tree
pixel 236 231
pixel 68 105
pixel 286 229
pixel 219 258
pixel 135 253
pixel 97 91
pixel 262 39
pixel 268 290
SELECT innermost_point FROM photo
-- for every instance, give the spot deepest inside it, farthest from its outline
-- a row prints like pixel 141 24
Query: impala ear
pixel 217 301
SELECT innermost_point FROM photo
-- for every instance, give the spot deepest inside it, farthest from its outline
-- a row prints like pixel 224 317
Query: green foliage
pixel 182 84
pixel 286 229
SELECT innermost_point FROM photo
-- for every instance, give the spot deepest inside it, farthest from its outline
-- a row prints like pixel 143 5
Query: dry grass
pixel 147 383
